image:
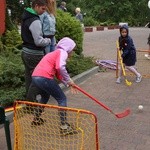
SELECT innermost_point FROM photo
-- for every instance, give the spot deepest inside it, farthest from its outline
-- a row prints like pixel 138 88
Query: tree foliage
pixel 68 26
pixel 134 12
pixel 12 68
pixel 16 8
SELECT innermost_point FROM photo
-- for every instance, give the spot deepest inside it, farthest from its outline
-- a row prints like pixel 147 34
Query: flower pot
pixel 99 28
pixel 88 29
pixel 110 27
pixel 117 27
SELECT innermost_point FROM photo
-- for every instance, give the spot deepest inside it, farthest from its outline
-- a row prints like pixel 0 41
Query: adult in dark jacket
pixel 127 47
pixel 79 15
pixel 63 6
pixel 33 42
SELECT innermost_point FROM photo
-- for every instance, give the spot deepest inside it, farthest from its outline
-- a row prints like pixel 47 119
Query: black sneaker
pixel 66 129
pixel 37 121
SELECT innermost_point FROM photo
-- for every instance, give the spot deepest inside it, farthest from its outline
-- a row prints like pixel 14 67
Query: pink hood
pixel 54 63
pixel 66 44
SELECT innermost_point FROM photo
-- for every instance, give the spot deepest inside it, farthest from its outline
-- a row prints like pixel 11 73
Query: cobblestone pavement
pixel 130 133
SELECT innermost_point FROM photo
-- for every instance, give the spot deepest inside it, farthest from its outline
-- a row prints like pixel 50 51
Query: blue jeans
pixel 51 46
pixel 49 87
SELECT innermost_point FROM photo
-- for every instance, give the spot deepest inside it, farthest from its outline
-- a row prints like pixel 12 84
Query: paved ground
pixel 130 133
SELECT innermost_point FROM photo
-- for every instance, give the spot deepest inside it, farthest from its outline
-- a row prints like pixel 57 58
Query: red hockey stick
pixel 118 115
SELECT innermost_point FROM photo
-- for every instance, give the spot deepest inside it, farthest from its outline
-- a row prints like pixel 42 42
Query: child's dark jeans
pixel 49 87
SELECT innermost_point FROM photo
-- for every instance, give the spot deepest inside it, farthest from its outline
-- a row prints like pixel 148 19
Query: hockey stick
pixel 140 50
pixel 118 115
pixel 117 66
pixel 123 69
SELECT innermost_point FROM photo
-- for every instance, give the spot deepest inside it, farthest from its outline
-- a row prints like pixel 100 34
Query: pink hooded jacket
pixel 54 63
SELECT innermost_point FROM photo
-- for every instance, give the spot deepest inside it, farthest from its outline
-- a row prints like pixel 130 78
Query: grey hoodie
pixel 31 33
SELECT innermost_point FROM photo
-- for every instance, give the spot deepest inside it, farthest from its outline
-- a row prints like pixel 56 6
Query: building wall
pixel 2 16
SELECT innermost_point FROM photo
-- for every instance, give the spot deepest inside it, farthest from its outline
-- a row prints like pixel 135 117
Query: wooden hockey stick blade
pixel 123 114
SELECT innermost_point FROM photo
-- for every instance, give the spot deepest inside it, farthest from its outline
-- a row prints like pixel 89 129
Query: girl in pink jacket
pixel 43 78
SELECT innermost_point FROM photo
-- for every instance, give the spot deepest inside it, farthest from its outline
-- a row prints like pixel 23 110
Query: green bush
pixel 9 95
pixel 9 24
pixel 90 21
pixel 78 64
pixel 12 69
pixel 103 23
pixel 68 26
pixel 1 45
pixel 12 39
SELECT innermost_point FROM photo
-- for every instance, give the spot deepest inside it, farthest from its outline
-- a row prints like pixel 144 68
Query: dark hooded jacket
pixel 28 41
pixel 128 49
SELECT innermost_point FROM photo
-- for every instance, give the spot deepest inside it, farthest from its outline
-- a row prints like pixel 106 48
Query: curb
pixel 81 77
pixel 77 79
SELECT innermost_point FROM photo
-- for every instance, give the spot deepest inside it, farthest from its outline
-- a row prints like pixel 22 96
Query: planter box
pixel 99 28
pixel 117 26
pixel 88 29
pixel 110 27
